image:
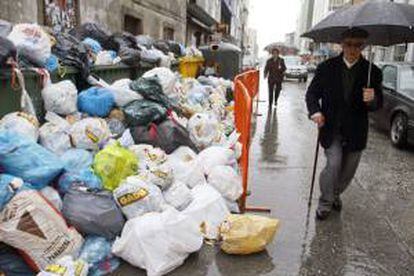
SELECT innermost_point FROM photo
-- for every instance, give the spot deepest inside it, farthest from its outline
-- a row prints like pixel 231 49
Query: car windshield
pixel 407 79
pixel 292 61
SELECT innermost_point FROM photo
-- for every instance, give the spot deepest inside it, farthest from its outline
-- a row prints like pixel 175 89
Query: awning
pixel 199 14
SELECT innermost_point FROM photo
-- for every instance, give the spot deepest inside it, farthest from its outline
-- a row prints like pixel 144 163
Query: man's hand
pixel 368 95
pixel 318 119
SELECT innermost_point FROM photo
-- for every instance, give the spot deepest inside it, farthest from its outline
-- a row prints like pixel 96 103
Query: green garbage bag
pixel 113 164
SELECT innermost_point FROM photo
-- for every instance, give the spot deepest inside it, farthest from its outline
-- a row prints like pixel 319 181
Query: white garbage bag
pixel 204 129
pixel 30 224
pixel 21 123
pixel 208 209
pixel 148 155
pixel 186 168
pixel 161 175
pixel 122 93
pixel 31 41
pixel 89 133
pixel 226 180
pixel 216 156
pixel 136 197
pixel 53 197
pixel 178 195
pixel 66 266
pixel 166 77
pixel 54 135
pixel 61 97
pixel 158 242
pixel 105 58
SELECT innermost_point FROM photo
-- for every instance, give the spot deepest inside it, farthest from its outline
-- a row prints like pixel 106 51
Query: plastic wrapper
pixel 54 135
pixel 247 234
pixel 226 180
pixel 208 209
pixel 75 160
pixel 60 97
pixel 52 196
pixel 26 159
pixel 92 211
pixel 151 89
pixel 12 263
pixel 113 164
pixel 93 45
pixel 66 266
pixel 204 129
pixel 136 197
pixel 143 112
pixel 123 95
pixel 176 237
pixel 21 123
pixel 31 41
pixel 96 251
pixel 9 186
pixel 89 133
pixel 178 195
pixel 85 177
pixel 168 136
pixel 30 224
pixel 96 101
pixel 166 77
pixel 8 52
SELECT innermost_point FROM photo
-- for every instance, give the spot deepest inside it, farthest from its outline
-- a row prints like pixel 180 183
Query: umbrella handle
pixel 370 66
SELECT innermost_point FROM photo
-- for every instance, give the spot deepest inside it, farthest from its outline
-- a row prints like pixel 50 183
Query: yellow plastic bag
pixel 247 234
pixel 113 164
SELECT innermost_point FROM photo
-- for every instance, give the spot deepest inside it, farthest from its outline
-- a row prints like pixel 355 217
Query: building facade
pixel 304 23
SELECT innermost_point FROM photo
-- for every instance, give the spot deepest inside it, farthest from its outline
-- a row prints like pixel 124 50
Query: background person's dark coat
pixel 324 95
pixel 275 70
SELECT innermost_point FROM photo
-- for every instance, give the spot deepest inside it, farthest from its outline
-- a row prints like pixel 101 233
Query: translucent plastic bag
pixel 122 93
pixel 9 186
pixel 66 266
pixel 94 45
pixel 226 180
pixel 148 155
pixel 113 164
pixel 85 177
pixel 136 197
pixel 158 242
pixel 105 58
pixel 247 234
pixel 60 97
pixel 166 78
pixel 89 133
pixel 178 195
pixel 52 196
pixel 204 129
pixel 216 156
pixel 21 123
pixel 96 101
pixel 54 135
pixel 76 160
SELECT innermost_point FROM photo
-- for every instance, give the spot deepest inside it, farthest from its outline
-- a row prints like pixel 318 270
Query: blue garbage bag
pixel 96 101
pixel 77 159
pixel 52 63
pixel 96 251
pixel 86 177
pixel 11 263
pixel 24 158
pixel 9 186
pixel 94 45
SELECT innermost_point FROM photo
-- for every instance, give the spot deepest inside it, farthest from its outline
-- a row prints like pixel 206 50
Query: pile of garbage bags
pixel 138 170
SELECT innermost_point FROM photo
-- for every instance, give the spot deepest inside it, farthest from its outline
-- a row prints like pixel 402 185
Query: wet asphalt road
pixel 374 234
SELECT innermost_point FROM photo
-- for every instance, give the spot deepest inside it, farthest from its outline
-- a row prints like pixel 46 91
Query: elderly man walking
pixel 338 102
pixel 274 72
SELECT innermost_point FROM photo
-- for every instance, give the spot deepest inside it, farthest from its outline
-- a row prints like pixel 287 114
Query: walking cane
pixel 315 164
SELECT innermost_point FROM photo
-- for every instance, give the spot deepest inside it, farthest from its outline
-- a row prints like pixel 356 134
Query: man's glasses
pixel 356 45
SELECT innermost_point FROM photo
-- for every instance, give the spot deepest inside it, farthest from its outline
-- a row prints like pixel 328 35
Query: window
pixel 407 80
pixel 390 77
pixel 133 25
pixel 168 33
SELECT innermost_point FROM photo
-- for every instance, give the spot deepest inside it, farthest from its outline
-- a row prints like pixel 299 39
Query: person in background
pixel 338 101
pixel 274 72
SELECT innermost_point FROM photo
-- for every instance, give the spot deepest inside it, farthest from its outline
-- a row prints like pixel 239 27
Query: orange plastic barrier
pixel 250 79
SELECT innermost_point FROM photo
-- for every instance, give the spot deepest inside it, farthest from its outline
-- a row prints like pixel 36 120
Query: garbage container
pixel 227 56
pixel 190 66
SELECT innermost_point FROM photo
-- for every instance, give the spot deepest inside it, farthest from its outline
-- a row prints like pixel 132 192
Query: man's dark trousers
pixel 274 91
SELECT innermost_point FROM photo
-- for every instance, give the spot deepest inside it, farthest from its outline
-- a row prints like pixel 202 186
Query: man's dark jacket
pixel 325 95
pixel 275 69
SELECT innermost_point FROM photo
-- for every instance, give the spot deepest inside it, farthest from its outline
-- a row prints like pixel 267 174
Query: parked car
pixel 397 115
pixel 295 68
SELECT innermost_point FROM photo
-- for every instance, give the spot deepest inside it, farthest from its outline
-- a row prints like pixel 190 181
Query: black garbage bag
pixel 145 40
pixel 151 89
pixel 12 263
pixel 96 32
pixel 7 51
pixel 126 39
pixel 175 48
pixel 168 136
pixel 5 28
pixel 143 113
pixel 162 45
pixel 130 56
pixel 71 52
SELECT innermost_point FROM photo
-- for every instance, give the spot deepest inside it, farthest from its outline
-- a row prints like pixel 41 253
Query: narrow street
pixel 374 234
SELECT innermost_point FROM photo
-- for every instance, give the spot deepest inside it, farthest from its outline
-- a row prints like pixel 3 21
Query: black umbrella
pixel 387 23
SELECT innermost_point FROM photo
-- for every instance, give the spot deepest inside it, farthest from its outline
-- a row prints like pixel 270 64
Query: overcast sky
pixel 273 19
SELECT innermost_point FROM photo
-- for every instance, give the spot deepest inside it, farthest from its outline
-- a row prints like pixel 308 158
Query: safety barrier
pixel 246 88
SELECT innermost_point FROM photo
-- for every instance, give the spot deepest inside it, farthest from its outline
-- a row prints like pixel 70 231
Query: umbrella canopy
pixel 387 23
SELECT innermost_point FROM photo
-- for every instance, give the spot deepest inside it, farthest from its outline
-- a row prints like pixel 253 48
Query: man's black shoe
pixel 322 215
pixel 337 205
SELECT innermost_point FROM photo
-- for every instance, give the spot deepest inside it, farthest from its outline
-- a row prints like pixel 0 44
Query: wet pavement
pixel 373 235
